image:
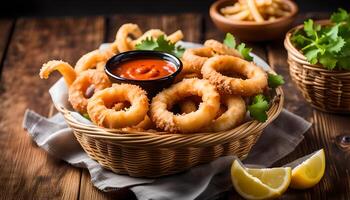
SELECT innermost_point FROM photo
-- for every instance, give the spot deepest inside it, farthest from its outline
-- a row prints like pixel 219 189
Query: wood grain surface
pixel 27 172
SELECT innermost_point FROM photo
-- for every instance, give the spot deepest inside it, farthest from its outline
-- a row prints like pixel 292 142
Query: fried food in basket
pixel 78 83
pixel 209 99
pixel 100 106
pixel 256 10
pixel 190 122
pixel 254 79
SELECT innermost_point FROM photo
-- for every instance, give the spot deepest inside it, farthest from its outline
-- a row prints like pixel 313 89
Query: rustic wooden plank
pixel 27 172
pixel 6 28
pixel 168 23
pixel 190 24
pixel 326 132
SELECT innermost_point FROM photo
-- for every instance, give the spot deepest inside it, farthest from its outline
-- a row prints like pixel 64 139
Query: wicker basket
pixel 147 154
pixel 326 90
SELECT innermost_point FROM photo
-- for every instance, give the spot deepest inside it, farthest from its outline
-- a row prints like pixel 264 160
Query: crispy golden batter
pixel 64 68
pixel 192 122
pixel 100 106
pixel 255 82
pixel 98 80
pixel 195 58
pixel 221 49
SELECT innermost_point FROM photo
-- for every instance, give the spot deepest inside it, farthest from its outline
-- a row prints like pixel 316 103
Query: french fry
pixel 239 16
pixel 254 11
pixel 229 10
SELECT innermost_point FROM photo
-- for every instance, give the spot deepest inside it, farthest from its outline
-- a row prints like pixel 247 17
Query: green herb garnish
pixel 230 41
pixel 328 45
pixel 160 44
pixel 259 107
pixel 275 80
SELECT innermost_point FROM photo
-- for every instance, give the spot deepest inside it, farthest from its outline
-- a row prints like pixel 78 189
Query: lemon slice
pixel 309 172
pixel 260 183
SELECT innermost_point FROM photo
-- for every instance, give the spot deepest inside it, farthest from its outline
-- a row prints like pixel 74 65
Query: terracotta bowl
pixel 253 31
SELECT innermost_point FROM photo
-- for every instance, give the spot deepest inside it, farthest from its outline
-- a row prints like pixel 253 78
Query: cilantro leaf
pixel 328 61
pixel 164 45
pixel 340 16
pixel 85 115
pixel 230 40
pixel 258 108
pixel 147 44
pixel 311 55
pixel 328 45
pixel 160 44
pixel 275 80
pixel 245 52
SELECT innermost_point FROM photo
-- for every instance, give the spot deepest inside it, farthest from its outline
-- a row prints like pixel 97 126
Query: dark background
pixel 17 8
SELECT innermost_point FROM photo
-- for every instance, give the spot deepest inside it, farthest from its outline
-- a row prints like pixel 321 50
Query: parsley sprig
pixel 258 108
pixel 160 44
pixel 230 41
pixel 327 45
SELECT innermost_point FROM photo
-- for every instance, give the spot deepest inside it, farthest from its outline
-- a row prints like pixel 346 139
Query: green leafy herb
pixel 230 41
pixel 161 44
pixel 85 115
pixel 245 51
pixel 259 107
pixel 275 80
pixel 328 45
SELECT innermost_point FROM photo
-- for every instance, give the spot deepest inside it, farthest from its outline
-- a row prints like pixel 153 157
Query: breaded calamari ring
pixel 235 113
pixel 94 59
pixel 89 79
pixel 255 82
pixel 143 125
pixel 152 33
pixel 192 122
pixel 196 57
pixel 155 33
pixel 122 41
pixel 101 113
pixel 64 68
pixel 175 37
pixel 221 49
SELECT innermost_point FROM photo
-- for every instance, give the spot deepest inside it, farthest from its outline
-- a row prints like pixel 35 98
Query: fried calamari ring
pixel 143 125
pixel 94 59
pixel 152 33
pixel 234 115
pixel 100 106
pixel 193 121
pixel 175 37
pixel 64 68
pixel 92 80
pixel 122 41
pixel 221 49
pixel 255 82
pixel 155 33
pixel 196 57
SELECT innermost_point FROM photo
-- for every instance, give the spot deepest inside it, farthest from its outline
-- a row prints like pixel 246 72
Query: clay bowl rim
pixel 215 14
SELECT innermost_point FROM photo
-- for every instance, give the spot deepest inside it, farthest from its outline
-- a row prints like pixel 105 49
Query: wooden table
pixel 27 172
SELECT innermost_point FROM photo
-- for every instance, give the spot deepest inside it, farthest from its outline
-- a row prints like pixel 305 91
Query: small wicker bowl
pixel 326 90
pixel 155 154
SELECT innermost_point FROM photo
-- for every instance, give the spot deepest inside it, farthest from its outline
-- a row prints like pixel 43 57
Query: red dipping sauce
pixel 144 69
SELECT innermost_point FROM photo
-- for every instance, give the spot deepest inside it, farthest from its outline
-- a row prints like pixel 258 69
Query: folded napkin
pixel 201 182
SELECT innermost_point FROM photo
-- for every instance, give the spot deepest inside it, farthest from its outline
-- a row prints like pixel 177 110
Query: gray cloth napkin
pixel 201 182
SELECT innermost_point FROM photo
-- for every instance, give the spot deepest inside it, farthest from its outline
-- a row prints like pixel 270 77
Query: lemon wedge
pixel 260 183
pixel 309 172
